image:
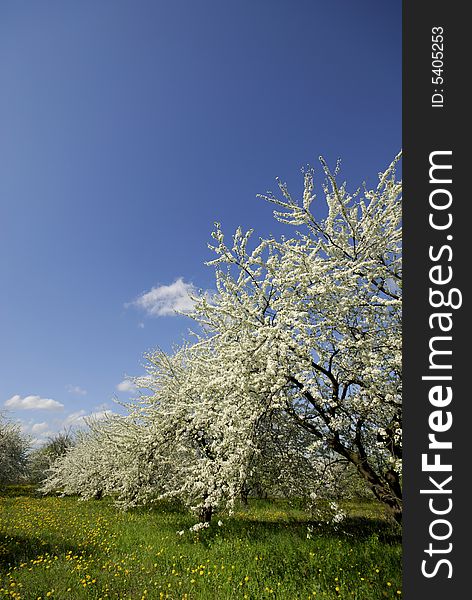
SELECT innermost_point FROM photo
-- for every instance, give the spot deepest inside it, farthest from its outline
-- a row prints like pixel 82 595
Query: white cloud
pixel 40 428
pixel 167 300
pixel 33 403
pixel 38 433
pixel 73 418
pixel 100 414
pixel 75 389
pixel 80 417
pixel 126 386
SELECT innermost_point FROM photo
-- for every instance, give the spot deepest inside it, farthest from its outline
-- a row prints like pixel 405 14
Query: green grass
pixel 65 549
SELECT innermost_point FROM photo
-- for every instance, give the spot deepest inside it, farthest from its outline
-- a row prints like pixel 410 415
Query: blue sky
pixel 127 129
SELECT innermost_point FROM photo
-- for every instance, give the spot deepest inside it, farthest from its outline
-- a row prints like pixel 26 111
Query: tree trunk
pixel 383 492
pixel 206 514
pixel 388 492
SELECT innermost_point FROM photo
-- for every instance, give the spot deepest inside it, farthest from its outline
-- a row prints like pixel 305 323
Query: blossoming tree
pixel 299 361
pixel 311 324
pixel 14 448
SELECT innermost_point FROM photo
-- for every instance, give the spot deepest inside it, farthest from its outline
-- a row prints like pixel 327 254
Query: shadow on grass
pixel 15 550
pixel 363 529
pixel 172 507
pixel 19 491
pixel 353 530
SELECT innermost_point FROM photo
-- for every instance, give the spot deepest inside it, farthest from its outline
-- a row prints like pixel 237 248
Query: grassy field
pixel 62 548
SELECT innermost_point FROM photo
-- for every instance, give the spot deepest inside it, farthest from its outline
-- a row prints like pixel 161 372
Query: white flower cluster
pixel 199 526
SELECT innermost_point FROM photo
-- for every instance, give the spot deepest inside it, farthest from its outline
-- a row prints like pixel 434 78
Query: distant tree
pixel 41 459
pixel 286 464
pixel 14 447
pixel 83 469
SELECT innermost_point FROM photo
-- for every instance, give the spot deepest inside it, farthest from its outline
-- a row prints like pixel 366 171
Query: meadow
pixel 64 548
